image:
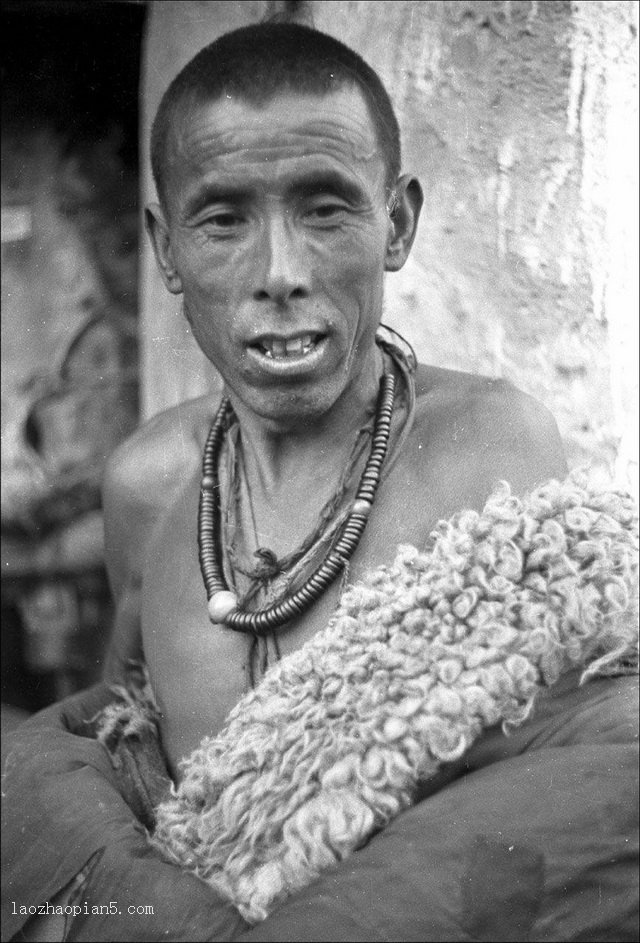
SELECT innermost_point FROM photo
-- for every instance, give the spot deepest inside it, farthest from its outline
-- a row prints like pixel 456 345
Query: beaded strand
pixel 223 605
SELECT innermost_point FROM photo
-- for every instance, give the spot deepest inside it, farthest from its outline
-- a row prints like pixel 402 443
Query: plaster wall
pixel 521 120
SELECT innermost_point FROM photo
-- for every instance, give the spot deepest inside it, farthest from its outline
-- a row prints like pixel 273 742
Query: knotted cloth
pixel 419 659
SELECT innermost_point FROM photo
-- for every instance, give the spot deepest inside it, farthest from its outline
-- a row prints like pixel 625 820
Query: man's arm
pixel 124 549
pixel 141 480
pixel 132 496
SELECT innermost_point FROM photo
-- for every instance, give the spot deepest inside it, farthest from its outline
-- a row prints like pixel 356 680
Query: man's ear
pixel 404 213
pixel 158 229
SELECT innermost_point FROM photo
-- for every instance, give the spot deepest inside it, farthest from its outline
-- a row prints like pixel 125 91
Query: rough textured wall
pixel 521 120
pixel 603 115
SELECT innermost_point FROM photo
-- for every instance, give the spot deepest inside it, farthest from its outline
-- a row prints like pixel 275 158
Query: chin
pixel 288 408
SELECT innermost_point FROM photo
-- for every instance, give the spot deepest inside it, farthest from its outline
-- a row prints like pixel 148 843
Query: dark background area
pixel 74 66
pixel 71 69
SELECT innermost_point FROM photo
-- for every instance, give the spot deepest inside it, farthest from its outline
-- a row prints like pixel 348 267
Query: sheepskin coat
pixel 420 659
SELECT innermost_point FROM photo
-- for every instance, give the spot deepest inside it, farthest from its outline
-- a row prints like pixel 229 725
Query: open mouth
pixel 289 348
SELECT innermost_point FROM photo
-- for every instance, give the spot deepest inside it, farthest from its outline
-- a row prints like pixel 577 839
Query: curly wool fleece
pixel 421 657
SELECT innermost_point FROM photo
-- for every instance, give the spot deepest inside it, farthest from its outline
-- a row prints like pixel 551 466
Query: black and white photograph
pixel 320 471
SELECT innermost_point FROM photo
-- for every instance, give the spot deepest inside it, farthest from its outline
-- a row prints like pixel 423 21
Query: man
pixel 281 206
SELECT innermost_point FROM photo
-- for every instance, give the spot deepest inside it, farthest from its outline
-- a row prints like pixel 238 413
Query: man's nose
pixel 283 273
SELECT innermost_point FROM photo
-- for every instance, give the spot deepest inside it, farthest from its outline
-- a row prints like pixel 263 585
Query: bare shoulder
pixel 154 461
pixel 503 432
pixel 145 474
pixel 489 400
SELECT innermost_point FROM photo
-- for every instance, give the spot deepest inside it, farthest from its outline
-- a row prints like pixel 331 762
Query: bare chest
pixel 200 671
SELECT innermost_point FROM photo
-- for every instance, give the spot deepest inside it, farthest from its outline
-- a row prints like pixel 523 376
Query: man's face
pixel 277 234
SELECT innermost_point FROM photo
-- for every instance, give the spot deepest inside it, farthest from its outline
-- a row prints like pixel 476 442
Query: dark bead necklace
pixel 223 605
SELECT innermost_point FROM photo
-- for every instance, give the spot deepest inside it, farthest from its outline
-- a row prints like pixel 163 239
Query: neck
pixel 314 448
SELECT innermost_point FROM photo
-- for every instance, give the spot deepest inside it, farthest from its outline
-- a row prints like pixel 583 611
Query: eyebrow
pixel 215 193
pixel 327 181
pixel 312 183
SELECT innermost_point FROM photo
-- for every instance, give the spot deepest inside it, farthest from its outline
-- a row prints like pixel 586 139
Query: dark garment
pixel 531 836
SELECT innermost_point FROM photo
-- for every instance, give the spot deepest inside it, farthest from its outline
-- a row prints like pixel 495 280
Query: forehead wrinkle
pixel 240 173
pixel 264 133
pixel 228 145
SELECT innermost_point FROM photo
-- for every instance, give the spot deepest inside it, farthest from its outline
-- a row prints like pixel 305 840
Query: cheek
pixel 219 280
pixel 206 287
pixel 352 263
pixel 208 308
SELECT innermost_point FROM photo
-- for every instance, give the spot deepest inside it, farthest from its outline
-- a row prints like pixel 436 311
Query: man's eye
pixel 326 212
pixel 223 221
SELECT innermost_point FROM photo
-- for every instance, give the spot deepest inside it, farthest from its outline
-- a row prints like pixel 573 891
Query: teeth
pixel 293 347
